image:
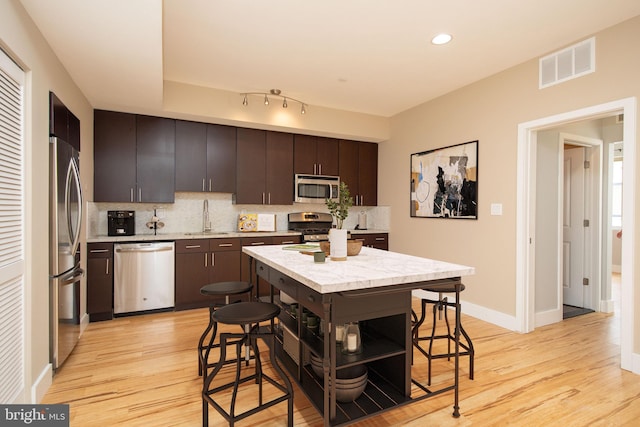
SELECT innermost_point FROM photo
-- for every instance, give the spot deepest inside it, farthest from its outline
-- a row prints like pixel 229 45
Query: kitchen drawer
pixel 224 244
pixel 285 240
pixel 285 283
pixel 256 241
pixel 192 245
pixel 263 270
pixel 311 299
pixel 100 250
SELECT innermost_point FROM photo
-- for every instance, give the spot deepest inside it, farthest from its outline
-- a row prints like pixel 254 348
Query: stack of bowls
pixel 350 382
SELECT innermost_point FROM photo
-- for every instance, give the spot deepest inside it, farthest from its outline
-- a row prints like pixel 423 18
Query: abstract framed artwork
pixel 444 182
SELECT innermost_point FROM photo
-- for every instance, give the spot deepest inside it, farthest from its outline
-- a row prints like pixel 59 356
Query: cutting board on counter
pixel 256 222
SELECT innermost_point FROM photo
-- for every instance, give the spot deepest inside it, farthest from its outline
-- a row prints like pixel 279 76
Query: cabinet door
pixel 368 174
pixel 221 159
pixel 155 159
pixel 192 273
pixel 327 156
pixel 251 166
pixel 100 281
pixel 348 163
pixel 114 160
pixel 304 154
pixel 191 156
pixel 74 131
pixel 279 168
pixel 58 118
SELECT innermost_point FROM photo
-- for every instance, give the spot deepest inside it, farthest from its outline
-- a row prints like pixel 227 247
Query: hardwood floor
pixel 142 371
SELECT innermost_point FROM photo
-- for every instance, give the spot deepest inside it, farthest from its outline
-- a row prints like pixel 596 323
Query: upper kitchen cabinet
pixel 134 158
pixel 359 170
pixel 205 157
pixel 315 155
pixel 264 167
pixel 62 122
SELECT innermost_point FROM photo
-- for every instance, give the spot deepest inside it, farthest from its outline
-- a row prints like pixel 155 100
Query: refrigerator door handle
pixel 72 277
pixel 73 177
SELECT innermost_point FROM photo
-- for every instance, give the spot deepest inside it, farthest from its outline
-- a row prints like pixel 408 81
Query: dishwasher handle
pixel 145 249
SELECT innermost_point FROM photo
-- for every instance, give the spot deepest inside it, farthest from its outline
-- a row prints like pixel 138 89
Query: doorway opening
pixel 527 215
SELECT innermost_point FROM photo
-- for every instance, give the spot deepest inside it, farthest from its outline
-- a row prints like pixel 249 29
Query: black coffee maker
pixel 121 223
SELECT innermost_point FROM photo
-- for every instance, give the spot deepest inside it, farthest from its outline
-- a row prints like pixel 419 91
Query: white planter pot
pixel 338 240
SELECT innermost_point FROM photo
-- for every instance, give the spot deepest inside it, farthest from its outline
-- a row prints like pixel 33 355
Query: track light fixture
pixel 274 93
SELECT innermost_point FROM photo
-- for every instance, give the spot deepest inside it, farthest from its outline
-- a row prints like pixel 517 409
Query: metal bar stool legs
pixel 246 313
pixel 440 306
pixel 226 289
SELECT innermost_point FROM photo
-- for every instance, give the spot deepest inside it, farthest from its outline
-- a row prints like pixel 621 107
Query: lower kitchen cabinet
pixel 373 240
pixel 203 261
pixel 100 281
pixel 250 274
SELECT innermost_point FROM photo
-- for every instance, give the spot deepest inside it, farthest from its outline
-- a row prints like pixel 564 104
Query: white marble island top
pixel 372 268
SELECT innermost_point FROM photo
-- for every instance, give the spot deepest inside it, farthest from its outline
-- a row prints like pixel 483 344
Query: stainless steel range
pixel 314 226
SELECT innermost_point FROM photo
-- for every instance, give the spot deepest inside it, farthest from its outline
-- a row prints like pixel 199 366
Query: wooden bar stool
pixel 219 289
pixel 246 313
pixel 439 306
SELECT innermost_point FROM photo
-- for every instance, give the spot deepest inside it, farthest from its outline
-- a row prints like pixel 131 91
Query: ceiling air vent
pixel 569 63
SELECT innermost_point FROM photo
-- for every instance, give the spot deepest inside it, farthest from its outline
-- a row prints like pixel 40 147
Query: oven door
pixel 316 188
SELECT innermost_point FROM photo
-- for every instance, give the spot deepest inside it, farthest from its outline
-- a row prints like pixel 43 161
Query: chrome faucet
pixel 206 222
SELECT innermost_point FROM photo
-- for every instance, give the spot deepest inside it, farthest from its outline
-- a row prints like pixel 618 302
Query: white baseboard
pixel 607 306
pixel 548 317
pixel 84 322
pixel 479 312
pixel 42 384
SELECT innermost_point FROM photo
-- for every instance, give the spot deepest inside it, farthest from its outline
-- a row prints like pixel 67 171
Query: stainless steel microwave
pixel 316 188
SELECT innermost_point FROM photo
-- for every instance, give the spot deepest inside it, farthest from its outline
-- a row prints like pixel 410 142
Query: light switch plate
pixel 496 208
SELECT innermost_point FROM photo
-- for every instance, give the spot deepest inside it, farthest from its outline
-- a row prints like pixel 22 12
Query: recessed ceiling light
pixel 441 39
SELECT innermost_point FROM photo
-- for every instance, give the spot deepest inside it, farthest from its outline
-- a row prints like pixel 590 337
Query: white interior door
pixel 573 215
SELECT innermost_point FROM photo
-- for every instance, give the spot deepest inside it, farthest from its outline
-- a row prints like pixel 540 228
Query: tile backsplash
pixel 186 214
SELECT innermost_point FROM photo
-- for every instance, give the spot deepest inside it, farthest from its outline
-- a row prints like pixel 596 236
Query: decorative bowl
pixel 353 247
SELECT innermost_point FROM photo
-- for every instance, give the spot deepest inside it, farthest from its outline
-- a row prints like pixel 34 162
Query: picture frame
pixel 444 182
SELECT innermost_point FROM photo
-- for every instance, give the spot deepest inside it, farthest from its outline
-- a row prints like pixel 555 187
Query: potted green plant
pixel 339 210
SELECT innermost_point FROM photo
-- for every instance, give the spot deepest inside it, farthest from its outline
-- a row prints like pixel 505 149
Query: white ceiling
pixel 358 55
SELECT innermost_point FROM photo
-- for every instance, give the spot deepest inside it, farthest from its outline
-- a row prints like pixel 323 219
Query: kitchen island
pixel 373 289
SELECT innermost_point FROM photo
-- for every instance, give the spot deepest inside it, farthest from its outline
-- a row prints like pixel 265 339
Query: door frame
pixel 525 216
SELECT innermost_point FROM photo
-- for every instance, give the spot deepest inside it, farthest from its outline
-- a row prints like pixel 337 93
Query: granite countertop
pixel 371 268
pixel 203 235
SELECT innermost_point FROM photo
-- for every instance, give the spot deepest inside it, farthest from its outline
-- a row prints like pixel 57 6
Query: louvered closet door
pixel 11 231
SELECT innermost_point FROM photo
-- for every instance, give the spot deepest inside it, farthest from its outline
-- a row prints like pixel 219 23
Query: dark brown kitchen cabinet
pixel 63 123
pixel 155 159
pixel 359 170
pixel 264 167
pixel 134 158
pixel 205 157
pixel 100 281
pixel 314 155
pixel 373 240
pixel 203 261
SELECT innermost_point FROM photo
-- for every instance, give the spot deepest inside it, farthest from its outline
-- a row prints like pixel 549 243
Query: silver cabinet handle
pixel 257 243
pixel 209 184
pixel 98 251
pixel 213 259
pixel 263 198
pixel 380 239
pixel 107 269
pixel 206 256
pixel 319 168
pixel 203 189
pixel 192 246
pixel 140 194
pixel 131 195
pixel 286 242
pixel 269 198
pixel 225 245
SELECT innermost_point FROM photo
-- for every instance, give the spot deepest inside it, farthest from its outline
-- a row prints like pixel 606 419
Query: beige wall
pixel 490 111
pixel 21 40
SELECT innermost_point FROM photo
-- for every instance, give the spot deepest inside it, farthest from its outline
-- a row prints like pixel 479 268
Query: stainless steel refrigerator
pixel 65 218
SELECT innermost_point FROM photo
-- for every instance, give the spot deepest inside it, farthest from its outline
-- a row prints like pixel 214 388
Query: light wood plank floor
pixel 142 371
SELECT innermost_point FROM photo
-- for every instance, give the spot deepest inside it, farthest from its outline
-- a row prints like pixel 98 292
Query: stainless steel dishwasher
pixel 143 276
